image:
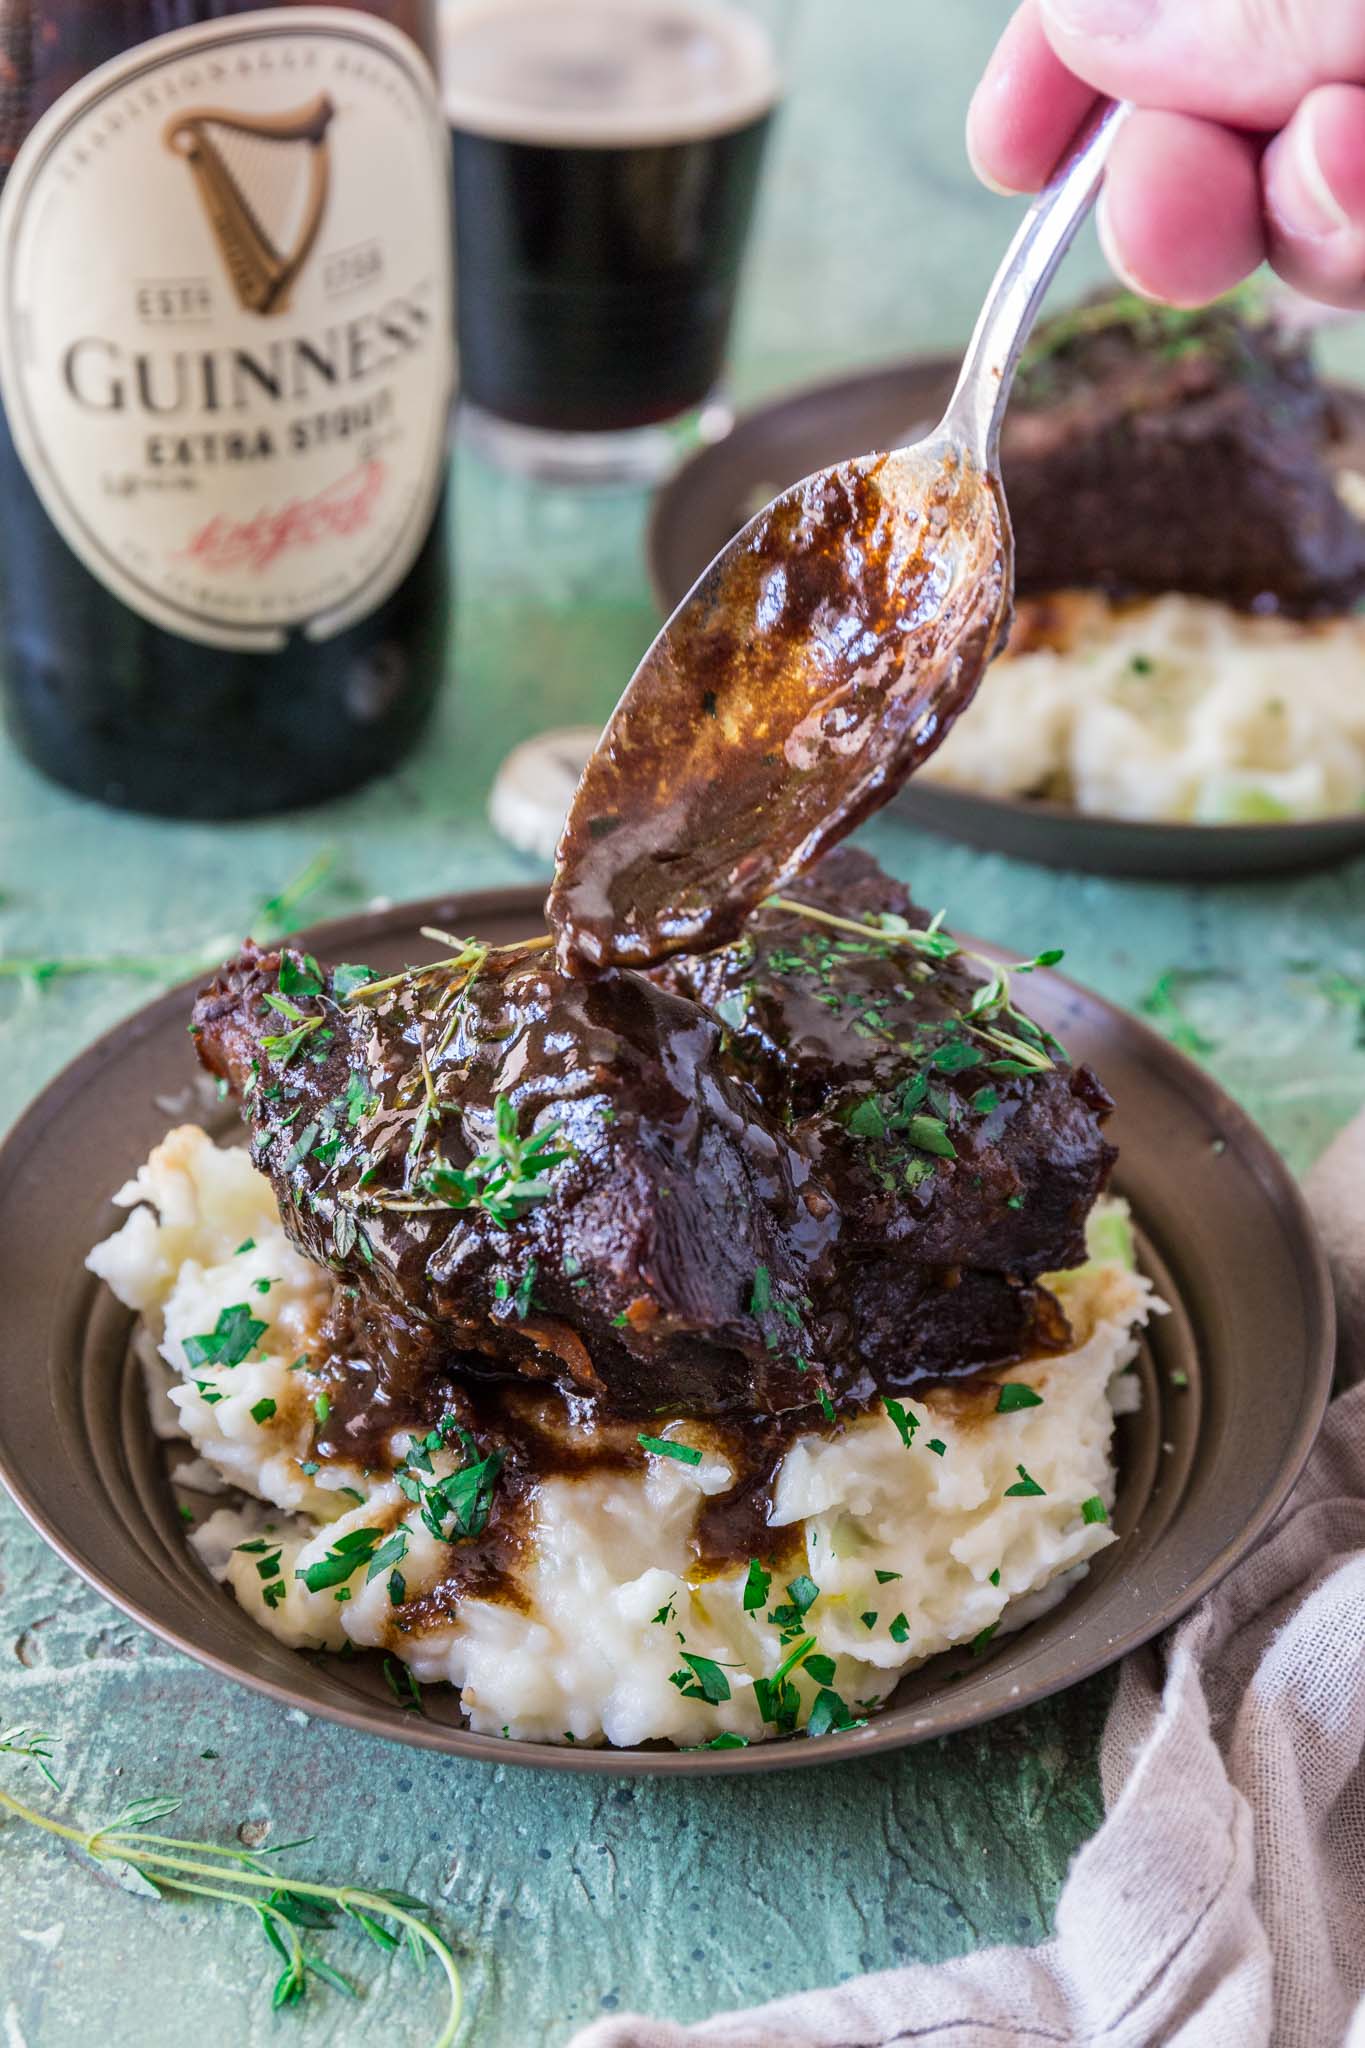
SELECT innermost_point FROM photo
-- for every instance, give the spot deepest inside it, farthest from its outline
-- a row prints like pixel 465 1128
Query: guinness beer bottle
pixel 226 361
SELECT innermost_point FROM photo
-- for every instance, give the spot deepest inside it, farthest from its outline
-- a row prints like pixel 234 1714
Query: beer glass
pixel 606 161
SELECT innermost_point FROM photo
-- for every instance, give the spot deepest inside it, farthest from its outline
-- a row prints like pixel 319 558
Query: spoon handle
pixel 1045 234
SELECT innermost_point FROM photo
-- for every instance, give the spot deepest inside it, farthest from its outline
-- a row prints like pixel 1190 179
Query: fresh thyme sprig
pixel 465 959
pixel 275 918
pixel 991 1001
pixel 501 1181
pixel 238 1877
pixel 33 1744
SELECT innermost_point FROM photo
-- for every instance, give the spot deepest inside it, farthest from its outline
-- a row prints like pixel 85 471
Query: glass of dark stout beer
pixel 606 160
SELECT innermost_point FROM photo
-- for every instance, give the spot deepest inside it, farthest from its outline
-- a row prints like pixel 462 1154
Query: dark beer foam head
pixel 605 74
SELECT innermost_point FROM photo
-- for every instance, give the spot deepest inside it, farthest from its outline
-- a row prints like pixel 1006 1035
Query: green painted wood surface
pixel 570 1897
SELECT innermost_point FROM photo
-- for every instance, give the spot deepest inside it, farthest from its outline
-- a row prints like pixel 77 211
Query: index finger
pixel 1026 108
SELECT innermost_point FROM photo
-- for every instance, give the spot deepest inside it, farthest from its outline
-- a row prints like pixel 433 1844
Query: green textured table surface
pixel 567 1897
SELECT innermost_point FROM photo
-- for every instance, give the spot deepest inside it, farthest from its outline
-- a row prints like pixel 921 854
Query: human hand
pixel 1248 142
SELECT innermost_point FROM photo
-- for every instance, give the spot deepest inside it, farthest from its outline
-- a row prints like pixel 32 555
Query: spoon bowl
pixel 820 658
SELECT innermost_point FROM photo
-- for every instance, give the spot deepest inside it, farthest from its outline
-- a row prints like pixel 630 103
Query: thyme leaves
pixel 288 1909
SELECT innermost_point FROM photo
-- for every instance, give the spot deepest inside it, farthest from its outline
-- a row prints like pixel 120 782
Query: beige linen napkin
pixel 1222 1902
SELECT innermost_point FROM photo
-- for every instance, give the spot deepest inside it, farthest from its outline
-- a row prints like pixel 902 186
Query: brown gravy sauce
pixel 545 1435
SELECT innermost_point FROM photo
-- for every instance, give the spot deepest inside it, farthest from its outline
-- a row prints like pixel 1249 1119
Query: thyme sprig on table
pixel 273 919
pixel 991 1006
pixel 287 1909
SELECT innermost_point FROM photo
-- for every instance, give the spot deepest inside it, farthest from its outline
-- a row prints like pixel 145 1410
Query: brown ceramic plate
pixel 1203 1467
pixel 709 499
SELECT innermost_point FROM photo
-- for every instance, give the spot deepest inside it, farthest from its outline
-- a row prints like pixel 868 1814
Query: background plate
pixel 709 499
pixel 1224 1232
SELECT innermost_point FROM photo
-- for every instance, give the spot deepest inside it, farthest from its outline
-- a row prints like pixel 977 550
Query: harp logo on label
pixel 231 395
pixel 261 273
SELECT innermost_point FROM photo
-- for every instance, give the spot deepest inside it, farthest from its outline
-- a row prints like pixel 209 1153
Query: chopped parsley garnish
pixel 900 1629
pixel 702 1680
pixel 347 978
pixel 522 1298
pixel 727 1739
pixel 826 1405
pixel 1094 1510
pixel 802 1595
pixel 995 1576
pixel 248 1244
pixel 388 1554
pixel 342 1561
pixel 1015 1394
pixel 937 1446
pixel 885 1578
pixel 906 1423
pixel 664 1447
pixel 322 1406
pixel 955 1055
pixel 403 1685
pixel 664 1615
pixel 756 1586
pixel 865 1119
pixel 358 1101
pixel 761 1297
pixel 829 1714
pixel 1023 1485
pixel 459 1505
pixel 869 1620
pixel 979 1642
pixel 930 1134
pixel 236 1333
pixel 300 975
pixel 263 1410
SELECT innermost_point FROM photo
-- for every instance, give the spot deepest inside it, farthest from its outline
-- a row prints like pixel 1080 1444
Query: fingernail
pixel 1103 20
pixel 983 177
pixel 1316 208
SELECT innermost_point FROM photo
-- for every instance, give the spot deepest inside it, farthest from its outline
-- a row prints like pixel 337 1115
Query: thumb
pixel 1247 62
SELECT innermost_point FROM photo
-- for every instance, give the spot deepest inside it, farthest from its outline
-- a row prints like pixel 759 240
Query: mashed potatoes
pixel 1169 707
pixel 891 1539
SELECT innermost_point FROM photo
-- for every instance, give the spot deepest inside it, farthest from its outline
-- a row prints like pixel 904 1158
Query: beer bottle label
pixel 225 320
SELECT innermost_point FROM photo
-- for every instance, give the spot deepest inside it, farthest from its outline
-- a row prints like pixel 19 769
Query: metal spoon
pixel 820 658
